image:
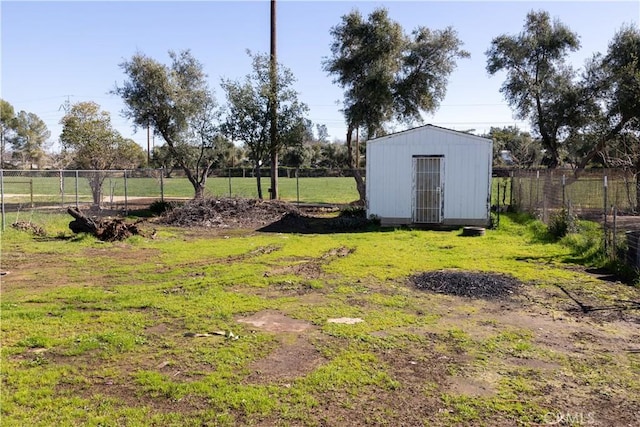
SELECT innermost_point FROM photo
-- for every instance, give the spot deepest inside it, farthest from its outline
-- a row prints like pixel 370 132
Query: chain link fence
pixel 122 191
pixel 608 196
pixel 111 189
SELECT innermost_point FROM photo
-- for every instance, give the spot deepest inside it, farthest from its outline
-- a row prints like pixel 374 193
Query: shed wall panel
pixel 467 171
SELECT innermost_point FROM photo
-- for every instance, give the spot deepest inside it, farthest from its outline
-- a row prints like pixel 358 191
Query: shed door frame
pixel 427 193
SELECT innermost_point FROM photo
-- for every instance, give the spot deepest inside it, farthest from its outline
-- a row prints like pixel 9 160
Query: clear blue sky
pixel 54 51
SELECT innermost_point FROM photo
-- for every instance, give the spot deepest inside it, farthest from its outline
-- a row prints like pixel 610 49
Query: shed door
pixel 427 189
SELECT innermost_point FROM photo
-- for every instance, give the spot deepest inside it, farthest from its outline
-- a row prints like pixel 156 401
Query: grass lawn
pixel 235 327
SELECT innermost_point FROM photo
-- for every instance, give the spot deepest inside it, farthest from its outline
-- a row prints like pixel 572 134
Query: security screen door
pixel 427 189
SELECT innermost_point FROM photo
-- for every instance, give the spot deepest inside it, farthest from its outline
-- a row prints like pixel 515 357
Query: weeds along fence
pixel 608 196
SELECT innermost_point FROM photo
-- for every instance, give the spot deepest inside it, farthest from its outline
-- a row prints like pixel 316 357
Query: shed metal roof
pixel 430 126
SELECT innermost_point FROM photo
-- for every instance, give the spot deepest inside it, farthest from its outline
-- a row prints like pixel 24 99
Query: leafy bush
pixel 161 206
pixel 562 223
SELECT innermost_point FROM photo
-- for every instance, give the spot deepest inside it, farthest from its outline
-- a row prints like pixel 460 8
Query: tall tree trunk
pixel 360 185
pixel 95 182
pixel 274 175
pixel 198 186
pixel 199 190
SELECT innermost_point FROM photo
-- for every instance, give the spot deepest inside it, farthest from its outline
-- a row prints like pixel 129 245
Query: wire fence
pixel 608 196
pixel 59 189
pixel 125 190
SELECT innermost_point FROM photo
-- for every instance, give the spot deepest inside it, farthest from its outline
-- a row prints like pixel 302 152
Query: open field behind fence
pixel 42 189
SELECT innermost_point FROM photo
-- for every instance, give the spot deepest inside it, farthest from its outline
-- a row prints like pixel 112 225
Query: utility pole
pixel 273 101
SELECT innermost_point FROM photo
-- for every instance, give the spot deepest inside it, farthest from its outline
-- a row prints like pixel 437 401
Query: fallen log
pixel 82 223
pixel 107 230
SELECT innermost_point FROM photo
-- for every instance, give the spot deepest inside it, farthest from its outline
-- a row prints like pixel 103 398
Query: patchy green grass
pixel 153 332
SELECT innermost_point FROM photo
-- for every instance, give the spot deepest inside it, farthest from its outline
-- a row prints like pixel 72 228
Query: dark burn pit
pixel 467 284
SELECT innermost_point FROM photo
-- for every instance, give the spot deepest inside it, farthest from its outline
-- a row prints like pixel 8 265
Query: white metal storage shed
pixel 429 176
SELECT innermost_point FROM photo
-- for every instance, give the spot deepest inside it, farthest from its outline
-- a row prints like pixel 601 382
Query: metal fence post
pixel 31 191
pixel 4 221
pixel 537 188
pixel 61 189
pixel 604 211
pixel 297 186
pixel 511 189
pixel 77 195
pixel 614 239
pixel 497 205
pixel 126 194
pixel 564 193
pixel 229 182
pixel 162 184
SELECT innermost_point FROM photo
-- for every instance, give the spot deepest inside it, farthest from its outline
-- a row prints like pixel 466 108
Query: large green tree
pixel 523 150
pixel 176 102
pixel 610 134
pixel 29 139
pixel 7 126
pixel 539 83
pixel 611 89
pixel 248 114
pixel 387 74
pixel 93 144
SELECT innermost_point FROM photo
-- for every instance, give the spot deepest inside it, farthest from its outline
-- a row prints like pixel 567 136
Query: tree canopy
pixel 539 83
pixel 387 74
pixel 611 88
pixel 521 149
pixel 176 102
pixel 247 115
pixel 30 138
pixel 7 125
pixel 93 144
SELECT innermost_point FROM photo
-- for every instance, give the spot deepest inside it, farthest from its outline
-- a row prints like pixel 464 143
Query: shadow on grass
pixel 294 223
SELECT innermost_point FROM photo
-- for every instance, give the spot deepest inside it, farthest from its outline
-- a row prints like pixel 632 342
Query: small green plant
pixel 494 220
pixel 562 223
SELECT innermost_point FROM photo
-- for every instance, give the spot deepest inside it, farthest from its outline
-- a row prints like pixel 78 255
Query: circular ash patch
pixel 467 284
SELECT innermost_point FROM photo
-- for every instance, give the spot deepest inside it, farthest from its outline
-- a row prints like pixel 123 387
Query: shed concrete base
pixel 445 224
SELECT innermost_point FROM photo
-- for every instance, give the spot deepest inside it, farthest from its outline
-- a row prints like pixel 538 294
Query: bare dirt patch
pixel 471 387
pixel 295 357
pixel 310 268
pixel 273 321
